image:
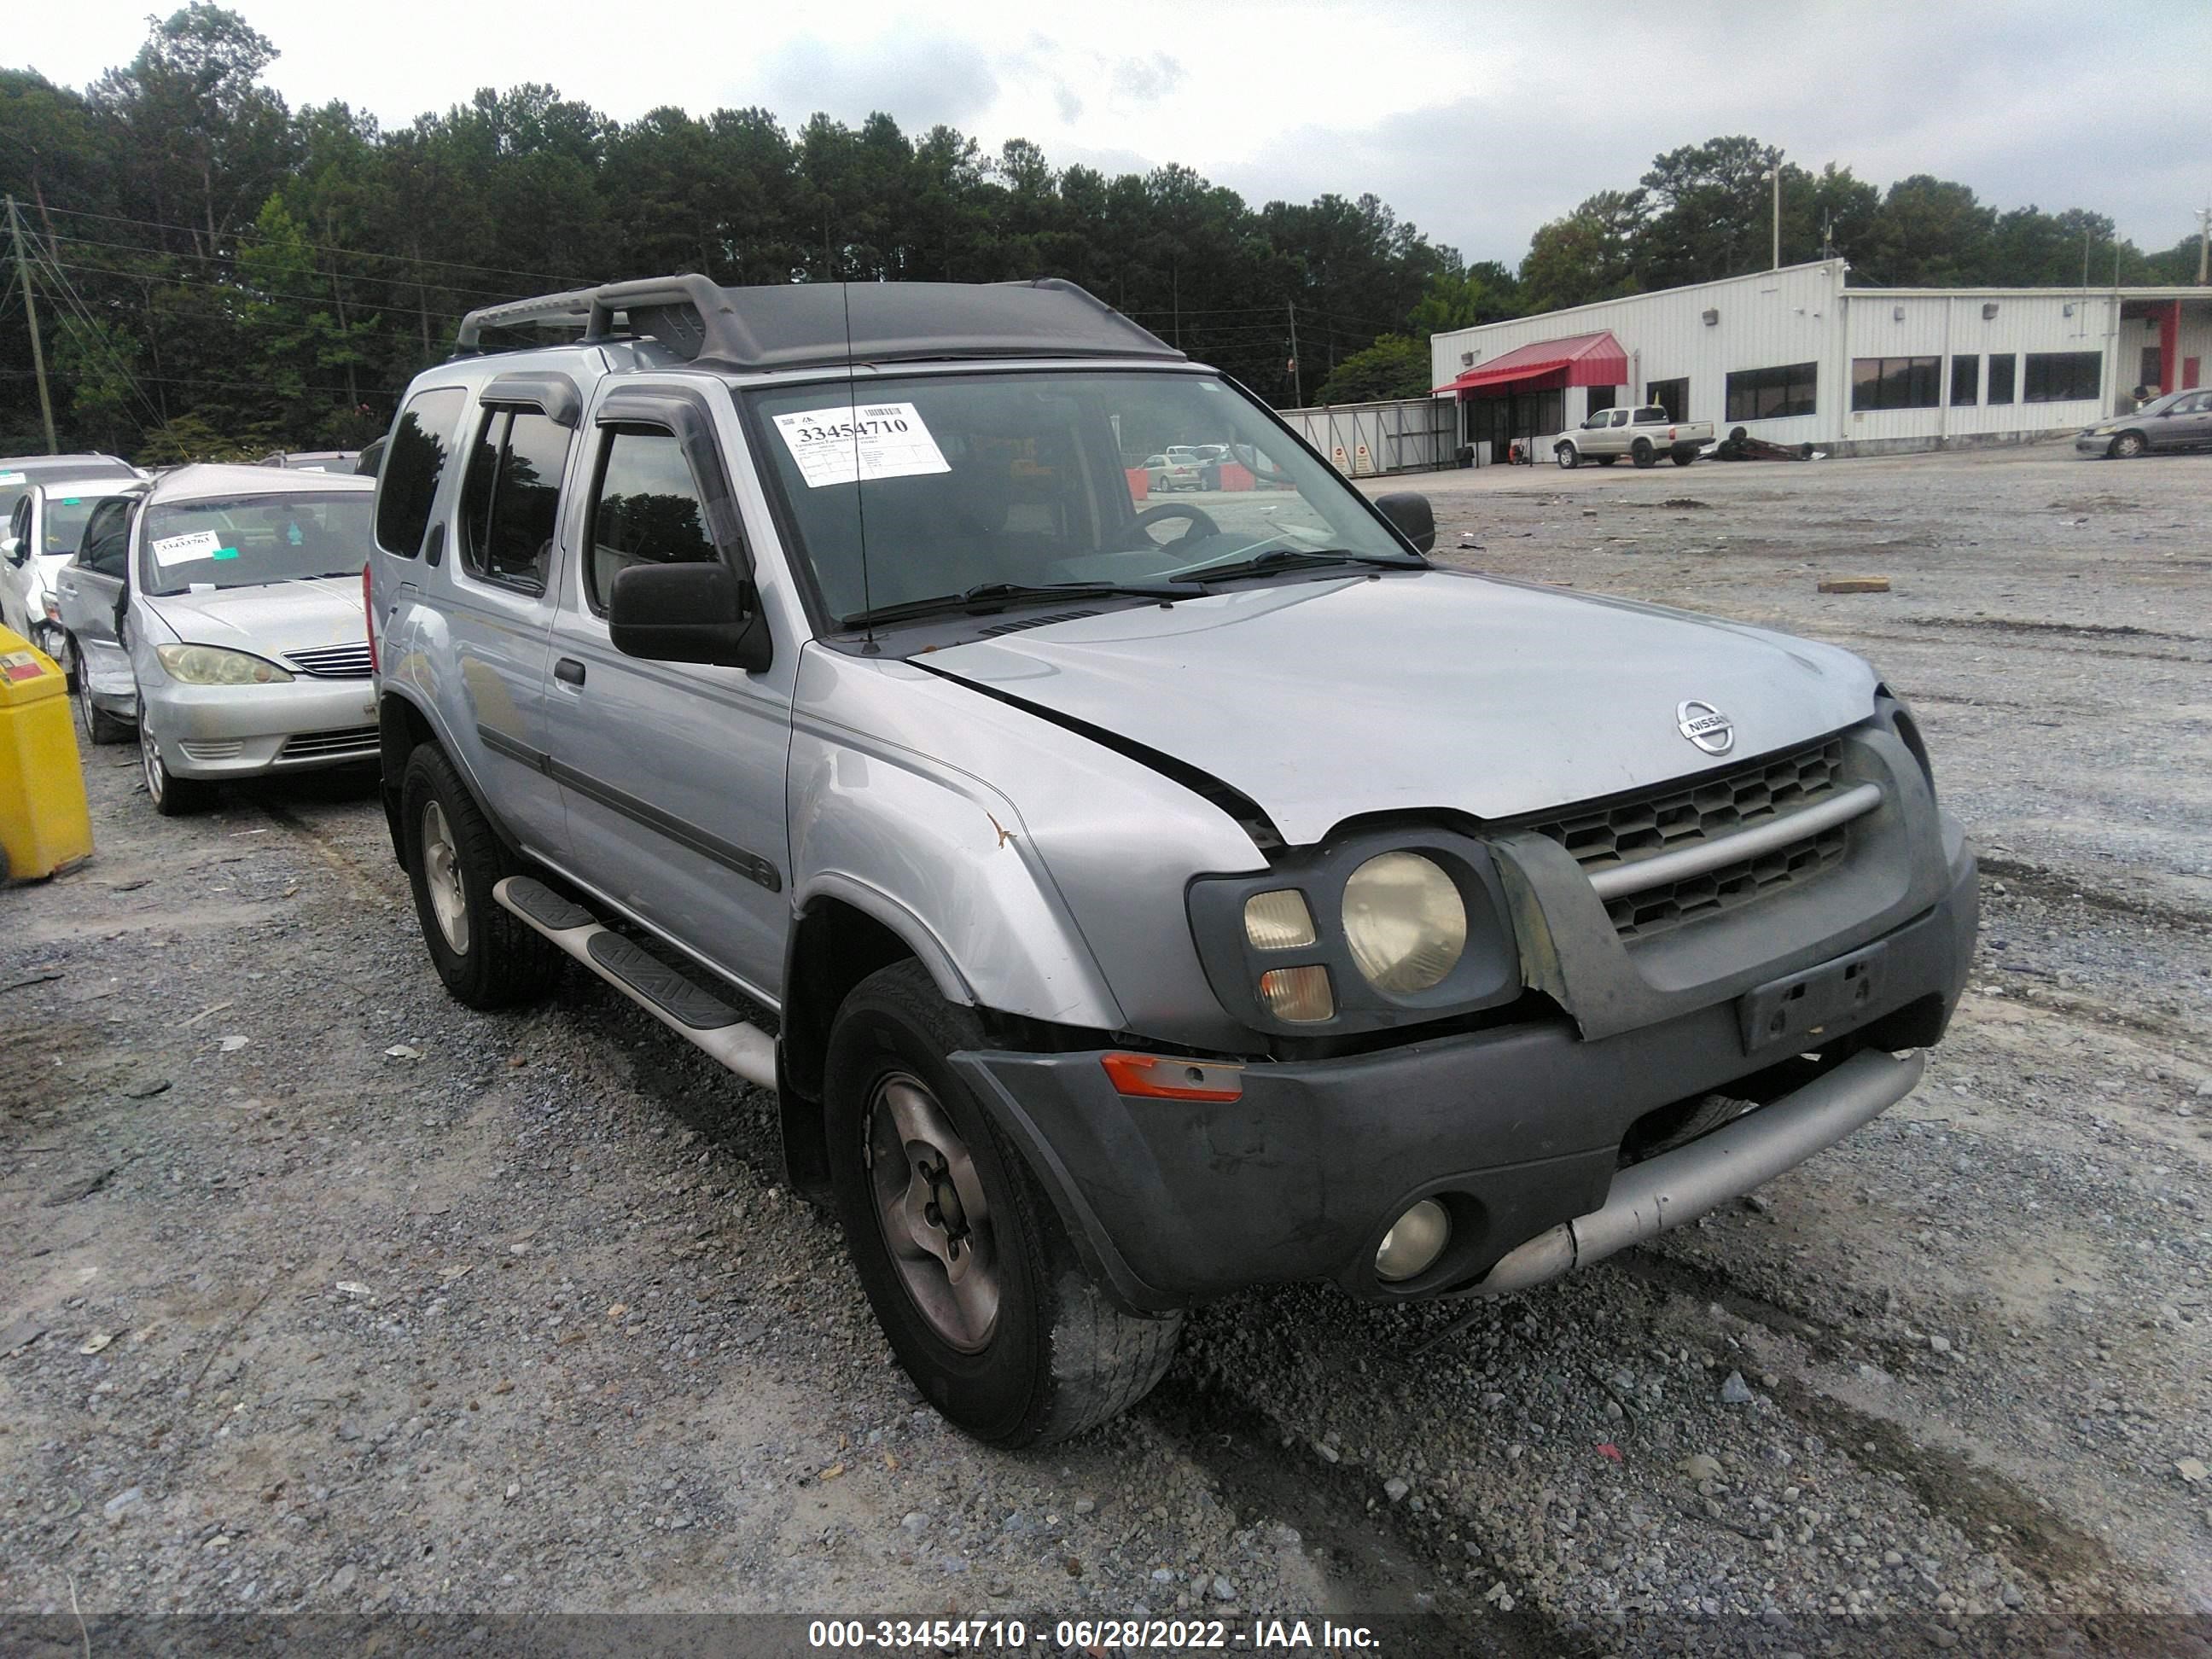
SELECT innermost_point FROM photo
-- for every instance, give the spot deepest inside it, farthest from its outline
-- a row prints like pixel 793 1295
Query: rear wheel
pixel 2128 446
pixel 1567 458
pixel 99 725
pixel 1683 457
pixel 1642 454
pixel 487 957
pixel 966 1263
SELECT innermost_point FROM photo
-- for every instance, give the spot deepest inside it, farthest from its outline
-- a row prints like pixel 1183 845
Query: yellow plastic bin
pixel 45 825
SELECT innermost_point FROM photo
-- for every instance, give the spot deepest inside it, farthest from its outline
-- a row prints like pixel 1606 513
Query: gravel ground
pixel 325 1295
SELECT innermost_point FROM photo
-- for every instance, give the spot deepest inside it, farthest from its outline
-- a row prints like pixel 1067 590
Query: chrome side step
pixel 676 1000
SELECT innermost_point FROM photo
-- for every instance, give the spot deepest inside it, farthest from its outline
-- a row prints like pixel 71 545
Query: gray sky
pixel 1478 122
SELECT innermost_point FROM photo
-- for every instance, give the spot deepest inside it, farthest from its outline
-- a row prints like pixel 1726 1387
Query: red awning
pixel 1578 360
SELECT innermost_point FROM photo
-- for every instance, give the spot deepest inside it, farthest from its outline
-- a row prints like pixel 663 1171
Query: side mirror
pixel 11 547
pixel 699 612
pixel 1416 520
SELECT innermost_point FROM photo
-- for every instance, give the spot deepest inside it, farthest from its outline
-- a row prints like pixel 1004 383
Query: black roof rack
pixel 807 324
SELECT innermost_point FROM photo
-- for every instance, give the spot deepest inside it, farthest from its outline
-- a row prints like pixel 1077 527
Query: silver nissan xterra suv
pixel 1149 900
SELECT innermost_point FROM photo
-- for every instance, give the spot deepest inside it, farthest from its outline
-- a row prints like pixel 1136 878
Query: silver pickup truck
pixel 1642 434
pixel 1148 902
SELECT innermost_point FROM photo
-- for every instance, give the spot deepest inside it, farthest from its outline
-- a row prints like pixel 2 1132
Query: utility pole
pixel 1297 376
pixel 31 311
pixel 1775 173
pixel 2205 243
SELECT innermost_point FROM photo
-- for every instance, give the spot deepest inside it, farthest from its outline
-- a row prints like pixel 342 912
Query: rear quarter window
pixel 413 462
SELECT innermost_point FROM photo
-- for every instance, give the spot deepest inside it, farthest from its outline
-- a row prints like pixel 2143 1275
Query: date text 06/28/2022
pixel 990 1636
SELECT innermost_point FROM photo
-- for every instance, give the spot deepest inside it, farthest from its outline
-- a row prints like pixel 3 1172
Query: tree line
pixel 218 274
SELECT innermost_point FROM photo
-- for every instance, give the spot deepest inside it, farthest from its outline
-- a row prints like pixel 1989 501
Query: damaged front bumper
pixel 1517 1130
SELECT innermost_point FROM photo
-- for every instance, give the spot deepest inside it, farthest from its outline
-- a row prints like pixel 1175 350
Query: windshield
pixel 64 525
pixel 1027 480
pixel 255 539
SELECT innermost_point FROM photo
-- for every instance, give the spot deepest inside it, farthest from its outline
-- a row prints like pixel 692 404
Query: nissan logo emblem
pixel 1705 726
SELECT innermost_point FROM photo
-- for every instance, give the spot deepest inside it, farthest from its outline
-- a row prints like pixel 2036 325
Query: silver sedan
pixel 242 646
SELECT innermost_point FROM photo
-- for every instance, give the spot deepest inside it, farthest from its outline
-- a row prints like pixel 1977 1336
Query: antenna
pixel 859 492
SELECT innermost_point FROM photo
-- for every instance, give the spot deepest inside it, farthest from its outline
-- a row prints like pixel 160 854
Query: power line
pixel 240 290
pixel 495 295
pixel 332 248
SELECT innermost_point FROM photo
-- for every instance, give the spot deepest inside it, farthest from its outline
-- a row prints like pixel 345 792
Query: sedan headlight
pixel 211 664
pixel 1404 922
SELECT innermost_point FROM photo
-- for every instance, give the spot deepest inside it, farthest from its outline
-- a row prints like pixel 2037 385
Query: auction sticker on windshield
pixel 175 550
pixel 850 442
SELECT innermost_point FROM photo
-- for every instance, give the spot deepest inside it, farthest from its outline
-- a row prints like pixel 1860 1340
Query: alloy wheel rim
pixel 442 875
pixel 149 757
pixel 929 1204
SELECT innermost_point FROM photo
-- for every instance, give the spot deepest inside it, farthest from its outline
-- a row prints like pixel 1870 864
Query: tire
pixel 1642 454
pixel 99 725
pixel 1568 457
pixel 487 957
pixel 173 797
pixel 1682 457
pixel 1024 1349
pixel 1605 460
pixel 2127 446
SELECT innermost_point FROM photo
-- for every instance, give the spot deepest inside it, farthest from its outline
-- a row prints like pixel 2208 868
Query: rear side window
pixel 511 499
pixel 414 461
pixel 646 510
pixel 107 538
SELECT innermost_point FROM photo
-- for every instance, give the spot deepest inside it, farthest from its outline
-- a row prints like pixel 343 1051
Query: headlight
pixel 1405 922
pixel 210 665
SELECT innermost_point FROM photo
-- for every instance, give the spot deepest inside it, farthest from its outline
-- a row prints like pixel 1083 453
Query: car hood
pixel 1323 701
pixel 268 620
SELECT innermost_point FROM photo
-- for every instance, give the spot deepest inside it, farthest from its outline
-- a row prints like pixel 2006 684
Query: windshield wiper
pixel 992 596
pixel 1293 558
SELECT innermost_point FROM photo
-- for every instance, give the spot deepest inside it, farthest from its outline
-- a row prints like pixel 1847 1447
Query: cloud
pixel 1148 80
pixel 918 77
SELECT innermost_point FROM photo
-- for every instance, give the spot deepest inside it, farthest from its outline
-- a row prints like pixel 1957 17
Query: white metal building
pixel 1795 356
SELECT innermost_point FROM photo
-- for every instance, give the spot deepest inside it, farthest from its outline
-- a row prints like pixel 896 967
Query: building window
pixel 1895 382
pixel 1769 394
pixel 2000 373
pixel 2061 377
pixel 1600 397
pixel 2153 368
pixel 1965 381
pixel 1673 396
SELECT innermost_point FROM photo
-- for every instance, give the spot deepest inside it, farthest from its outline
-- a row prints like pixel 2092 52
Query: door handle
pixel 568 672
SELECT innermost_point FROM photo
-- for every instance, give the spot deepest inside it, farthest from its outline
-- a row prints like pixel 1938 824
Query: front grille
pixel 360 740
pixel 1655 909
pixel 333 662
pixel 1645 826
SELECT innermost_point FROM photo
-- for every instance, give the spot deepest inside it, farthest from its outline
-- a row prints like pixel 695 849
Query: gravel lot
pixel 325 1294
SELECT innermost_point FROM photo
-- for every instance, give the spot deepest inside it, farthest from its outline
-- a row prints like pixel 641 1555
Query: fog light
pixel 1299 996
pixel 1414 1242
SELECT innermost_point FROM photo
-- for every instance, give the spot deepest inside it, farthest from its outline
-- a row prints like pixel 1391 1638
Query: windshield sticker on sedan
pixel 175 550
pixel 224 553
pixel 850 442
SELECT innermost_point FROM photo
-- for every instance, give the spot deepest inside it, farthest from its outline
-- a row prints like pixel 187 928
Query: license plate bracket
pixel 1795 1012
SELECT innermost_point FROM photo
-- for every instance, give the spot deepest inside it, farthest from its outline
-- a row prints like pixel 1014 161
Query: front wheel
pixel 966 1263
pixel 173 797
pixel 1567 458
pixel 2127 446
pixel 487 957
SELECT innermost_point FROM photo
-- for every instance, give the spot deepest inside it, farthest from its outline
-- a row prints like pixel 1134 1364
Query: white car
pixel 220 612
pixel 43 532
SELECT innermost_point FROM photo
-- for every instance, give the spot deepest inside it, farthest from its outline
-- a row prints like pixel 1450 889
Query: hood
pixel 268 620
pixel 1325 701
